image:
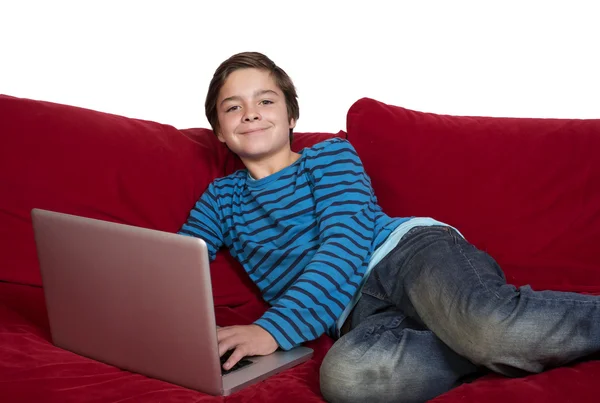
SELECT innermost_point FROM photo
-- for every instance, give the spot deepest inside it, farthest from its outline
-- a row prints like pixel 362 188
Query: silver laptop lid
pixel 134 298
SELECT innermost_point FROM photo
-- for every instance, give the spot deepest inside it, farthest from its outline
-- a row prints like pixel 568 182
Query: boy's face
pixel 252 113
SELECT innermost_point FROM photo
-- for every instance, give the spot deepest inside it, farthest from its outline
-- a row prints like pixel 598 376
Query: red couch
pixel 525 190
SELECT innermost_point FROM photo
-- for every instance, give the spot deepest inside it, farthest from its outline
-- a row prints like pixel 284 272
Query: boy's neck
pixel 260 169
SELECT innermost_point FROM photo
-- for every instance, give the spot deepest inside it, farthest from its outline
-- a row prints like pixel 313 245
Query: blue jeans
pixel 437 312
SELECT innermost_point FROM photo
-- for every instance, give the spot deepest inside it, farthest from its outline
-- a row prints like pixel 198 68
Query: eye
pixel 232 108
pixel 266 102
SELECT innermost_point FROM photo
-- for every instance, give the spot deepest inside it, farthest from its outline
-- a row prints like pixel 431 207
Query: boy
pixel 416 309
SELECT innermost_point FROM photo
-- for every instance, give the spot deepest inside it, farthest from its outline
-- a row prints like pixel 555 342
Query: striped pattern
pixel 304 235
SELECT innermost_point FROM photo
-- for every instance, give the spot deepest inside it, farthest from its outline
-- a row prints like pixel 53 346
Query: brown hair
pixel 248 60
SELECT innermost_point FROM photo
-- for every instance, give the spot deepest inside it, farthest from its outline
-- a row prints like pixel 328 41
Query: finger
pixel 227 336
pixel 229 342
pixel 235 357
pixel 220 334
pixel 225 346
pixel 224 332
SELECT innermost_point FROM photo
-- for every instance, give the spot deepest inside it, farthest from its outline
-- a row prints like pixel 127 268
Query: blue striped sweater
pixel 304 235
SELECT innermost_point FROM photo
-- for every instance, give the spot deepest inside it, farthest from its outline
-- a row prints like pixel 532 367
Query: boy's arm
pixel 203 222
pixel 345 209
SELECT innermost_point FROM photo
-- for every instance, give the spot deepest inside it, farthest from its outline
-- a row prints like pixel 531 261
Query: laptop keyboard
pixel 240 364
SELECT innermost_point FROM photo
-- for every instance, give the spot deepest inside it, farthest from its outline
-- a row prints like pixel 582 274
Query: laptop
pixel 140 300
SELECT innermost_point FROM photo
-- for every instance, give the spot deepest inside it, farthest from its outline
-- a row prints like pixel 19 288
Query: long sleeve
pixel 345 214
pixel 204 222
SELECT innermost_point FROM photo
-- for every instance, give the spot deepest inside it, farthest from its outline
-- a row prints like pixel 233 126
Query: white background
pixel 154 59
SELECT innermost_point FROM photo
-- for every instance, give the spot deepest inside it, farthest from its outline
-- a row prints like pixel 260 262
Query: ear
pixel 292 123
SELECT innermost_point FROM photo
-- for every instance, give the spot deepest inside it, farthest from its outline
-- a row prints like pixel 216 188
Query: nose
pixel 251 115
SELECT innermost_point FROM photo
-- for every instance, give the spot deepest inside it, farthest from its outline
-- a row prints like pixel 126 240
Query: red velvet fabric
pixel 525 190
pixel 103 166
pixel 33 370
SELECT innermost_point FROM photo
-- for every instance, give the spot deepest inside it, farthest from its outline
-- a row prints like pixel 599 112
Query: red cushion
pixel 28 302
pixel 525 190
pixel 576 383
pixel 94 164
pixel 34 370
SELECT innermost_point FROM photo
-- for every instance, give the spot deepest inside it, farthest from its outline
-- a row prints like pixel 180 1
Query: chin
pixel 251 153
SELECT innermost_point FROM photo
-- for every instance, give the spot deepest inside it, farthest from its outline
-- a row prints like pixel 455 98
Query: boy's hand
pixel 246 340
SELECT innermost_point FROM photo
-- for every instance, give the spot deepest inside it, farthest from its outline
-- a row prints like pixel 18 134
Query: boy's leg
pixel 388 357
pixel 460 293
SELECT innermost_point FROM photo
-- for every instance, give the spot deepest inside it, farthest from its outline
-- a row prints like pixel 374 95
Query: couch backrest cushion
pixel 99 165
pixel 525 190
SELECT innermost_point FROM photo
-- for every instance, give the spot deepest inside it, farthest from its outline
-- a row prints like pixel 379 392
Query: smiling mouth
pixel 254 130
